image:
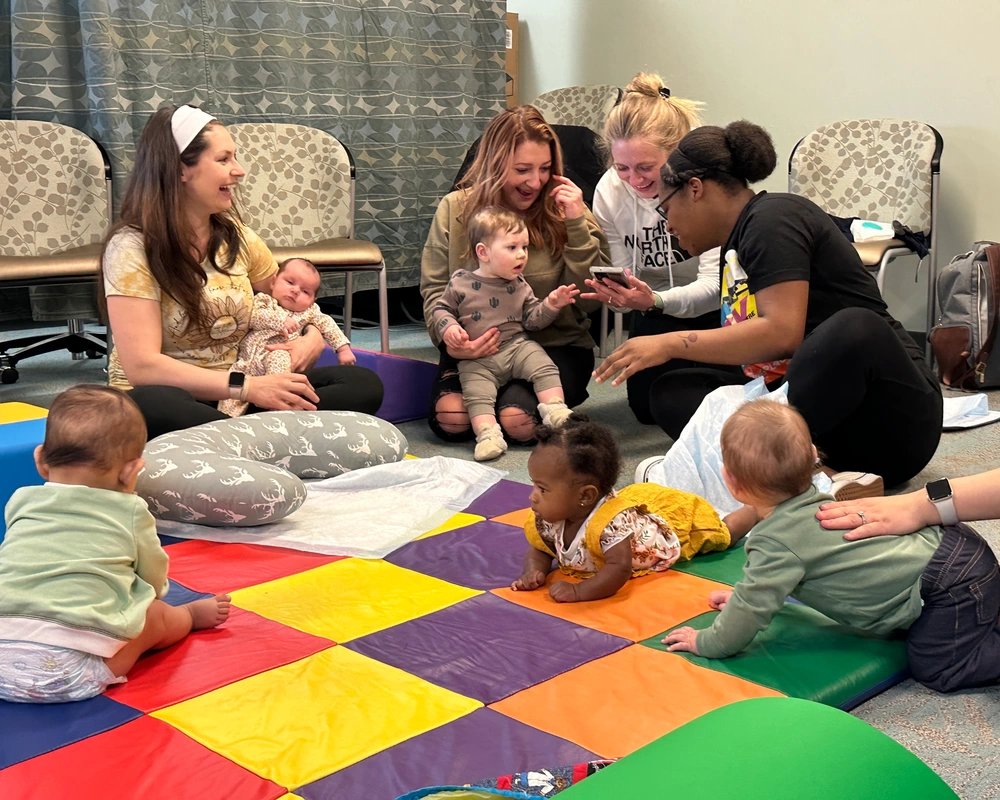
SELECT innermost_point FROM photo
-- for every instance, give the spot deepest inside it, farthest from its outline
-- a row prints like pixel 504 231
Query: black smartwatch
pixel 237 380
pixel 940 494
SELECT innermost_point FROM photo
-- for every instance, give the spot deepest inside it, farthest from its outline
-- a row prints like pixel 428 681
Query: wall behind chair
pixel 791 66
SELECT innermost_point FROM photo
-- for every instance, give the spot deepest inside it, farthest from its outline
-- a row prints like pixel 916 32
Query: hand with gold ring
pixel 877 516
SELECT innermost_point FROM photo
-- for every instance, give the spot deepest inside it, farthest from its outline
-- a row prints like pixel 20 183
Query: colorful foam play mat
pixel 343 678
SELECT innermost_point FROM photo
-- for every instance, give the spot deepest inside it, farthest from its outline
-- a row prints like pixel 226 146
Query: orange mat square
pixel 642 607
pixel 515 518
pixel 216 567
pixel 616 704
pixel 245 645
pixel 143 758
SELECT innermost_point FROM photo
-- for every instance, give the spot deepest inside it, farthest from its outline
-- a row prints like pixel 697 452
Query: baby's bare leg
pixel 167 625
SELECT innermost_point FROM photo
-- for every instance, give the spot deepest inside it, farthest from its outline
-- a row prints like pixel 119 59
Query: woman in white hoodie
pixel 641 131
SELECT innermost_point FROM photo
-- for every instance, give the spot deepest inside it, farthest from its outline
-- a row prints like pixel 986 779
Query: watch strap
pixel 945 506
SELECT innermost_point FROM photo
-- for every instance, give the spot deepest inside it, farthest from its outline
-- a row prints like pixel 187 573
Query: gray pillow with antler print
pixel 248 470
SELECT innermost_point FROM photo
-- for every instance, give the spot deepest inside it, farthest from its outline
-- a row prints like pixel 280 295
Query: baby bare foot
pixel 208 612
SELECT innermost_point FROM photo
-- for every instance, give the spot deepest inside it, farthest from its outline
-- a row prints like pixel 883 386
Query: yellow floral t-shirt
pixel 228 299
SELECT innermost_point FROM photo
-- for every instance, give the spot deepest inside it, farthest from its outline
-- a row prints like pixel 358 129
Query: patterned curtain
pixel 407 85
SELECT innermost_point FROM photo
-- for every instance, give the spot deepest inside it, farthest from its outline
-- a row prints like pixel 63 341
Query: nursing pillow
pixel 248 470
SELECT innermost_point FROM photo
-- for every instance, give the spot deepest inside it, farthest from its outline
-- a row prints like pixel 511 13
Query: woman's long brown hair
pixel 488 173
pixel 153 205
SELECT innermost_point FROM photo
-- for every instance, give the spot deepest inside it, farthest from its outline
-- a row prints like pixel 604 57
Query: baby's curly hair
pixel 590 448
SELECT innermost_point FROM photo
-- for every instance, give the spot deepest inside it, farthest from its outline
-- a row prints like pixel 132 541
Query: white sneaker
pixel 855 485
pixel 647 464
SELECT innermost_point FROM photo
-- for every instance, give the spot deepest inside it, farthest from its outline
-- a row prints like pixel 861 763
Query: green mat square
pixel 805 654
pixel 724 567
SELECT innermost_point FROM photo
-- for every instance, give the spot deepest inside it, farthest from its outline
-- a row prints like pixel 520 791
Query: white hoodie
pixel 640 242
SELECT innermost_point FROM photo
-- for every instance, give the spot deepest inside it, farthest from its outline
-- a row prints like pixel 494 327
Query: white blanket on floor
pixel 366 513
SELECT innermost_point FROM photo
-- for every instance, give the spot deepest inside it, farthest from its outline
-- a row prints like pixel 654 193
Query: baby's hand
pixel 685 639
pixel 563 592
pixel 562 296
pixel 292 325
pixel 529 581
pixel 346 357
pixel 719 598
pixel 455 336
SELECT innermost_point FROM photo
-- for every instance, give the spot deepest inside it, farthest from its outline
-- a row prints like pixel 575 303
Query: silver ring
pixel 862 515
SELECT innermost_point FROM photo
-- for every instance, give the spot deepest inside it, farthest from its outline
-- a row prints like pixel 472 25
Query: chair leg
pixel 602 346
pixel 880 275
pixel 383 308
pixel 348 302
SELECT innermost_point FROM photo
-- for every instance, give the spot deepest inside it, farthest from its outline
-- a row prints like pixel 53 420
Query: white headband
pixel 186 123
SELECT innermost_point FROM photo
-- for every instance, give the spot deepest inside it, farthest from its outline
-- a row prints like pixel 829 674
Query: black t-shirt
pixel 785 237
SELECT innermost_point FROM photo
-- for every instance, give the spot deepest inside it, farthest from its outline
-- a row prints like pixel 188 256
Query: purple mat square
pixel 481 744
pixel 30 729
pixel 484 555
pixel 501 498
pixel 487 648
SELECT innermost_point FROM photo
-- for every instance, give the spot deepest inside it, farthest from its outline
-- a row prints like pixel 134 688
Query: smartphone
pixel 615 274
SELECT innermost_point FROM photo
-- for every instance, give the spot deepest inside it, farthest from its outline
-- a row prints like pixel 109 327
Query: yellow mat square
pixel 460 520
pixel 20 412
pixel 350 598
pixel 300 722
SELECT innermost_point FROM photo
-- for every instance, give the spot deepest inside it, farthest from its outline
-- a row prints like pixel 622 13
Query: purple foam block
pixel 484 555
pixel 487 648
pixel 407 382
pixel 479 744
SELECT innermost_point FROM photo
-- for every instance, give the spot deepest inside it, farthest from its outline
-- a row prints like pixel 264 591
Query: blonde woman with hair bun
pixel 640 133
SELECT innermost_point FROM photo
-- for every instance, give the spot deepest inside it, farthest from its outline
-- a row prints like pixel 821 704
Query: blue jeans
pixel 955 642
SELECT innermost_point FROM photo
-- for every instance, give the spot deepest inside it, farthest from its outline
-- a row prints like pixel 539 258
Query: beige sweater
pixel 446 251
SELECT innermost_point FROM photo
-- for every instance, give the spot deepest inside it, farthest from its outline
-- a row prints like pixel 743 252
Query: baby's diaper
pixel 41 673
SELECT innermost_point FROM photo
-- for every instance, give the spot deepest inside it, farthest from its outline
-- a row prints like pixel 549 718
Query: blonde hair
pixel 489 221
pixel 94 425
pixel 649 112
pixel 487 175
pixel 767 448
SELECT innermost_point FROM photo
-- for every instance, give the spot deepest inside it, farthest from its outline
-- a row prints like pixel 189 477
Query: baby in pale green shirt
pixel 81 568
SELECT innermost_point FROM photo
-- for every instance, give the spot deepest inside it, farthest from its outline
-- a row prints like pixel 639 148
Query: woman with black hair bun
pixel 797 305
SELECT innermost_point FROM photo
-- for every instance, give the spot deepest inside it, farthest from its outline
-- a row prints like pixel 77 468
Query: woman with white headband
pixel 179 271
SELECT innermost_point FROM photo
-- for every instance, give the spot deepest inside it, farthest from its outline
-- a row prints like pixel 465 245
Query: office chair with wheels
pixel 56 187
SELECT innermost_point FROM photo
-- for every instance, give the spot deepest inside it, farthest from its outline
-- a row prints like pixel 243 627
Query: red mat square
pixel 216 567
pixel 245 645
pixel 144 758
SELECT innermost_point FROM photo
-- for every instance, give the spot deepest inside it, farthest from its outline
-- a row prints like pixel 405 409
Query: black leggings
pixel 639 385
pixel 869 405
pixel 575 366
pixel 168 408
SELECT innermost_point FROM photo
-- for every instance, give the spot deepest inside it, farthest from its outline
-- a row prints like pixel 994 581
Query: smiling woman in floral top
pixel 178 275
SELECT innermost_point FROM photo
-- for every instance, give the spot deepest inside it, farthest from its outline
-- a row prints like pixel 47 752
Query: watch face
pixel 939 490
pixel 236 380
